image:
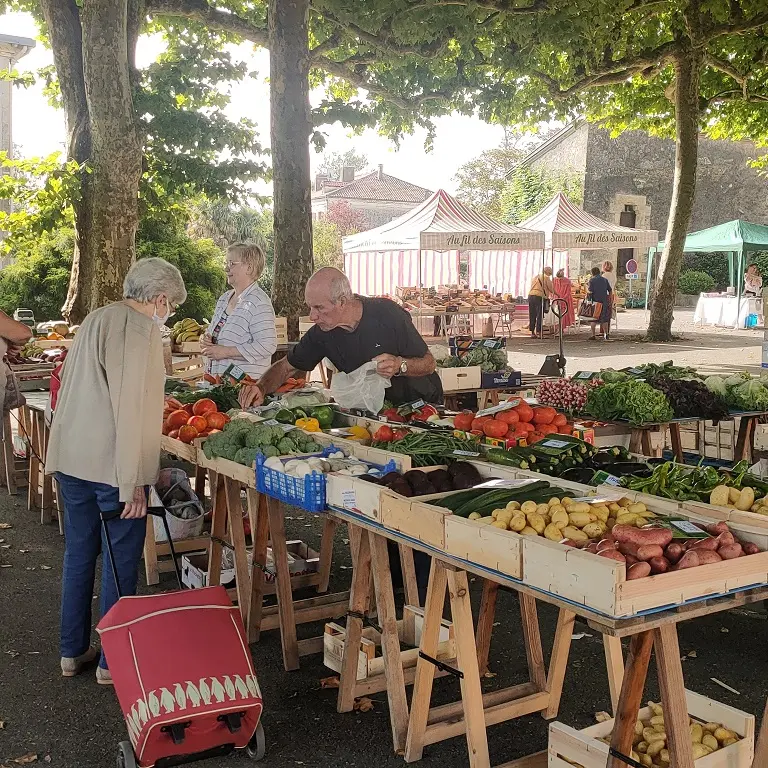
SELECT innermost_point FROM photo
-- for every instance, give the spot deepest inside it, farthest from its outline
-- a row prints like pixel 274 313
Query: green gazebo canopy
pixel 735 237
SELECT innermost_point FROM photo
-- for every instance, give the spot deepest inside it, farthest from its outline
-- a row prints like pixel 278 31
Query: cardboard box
pixel 459 346
pixel 498 379
pixel 454 379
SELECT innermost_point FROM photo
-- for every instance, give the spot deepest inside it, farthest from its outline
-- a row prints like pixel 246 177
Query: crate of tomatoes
pixel 183 424
pixel 512 423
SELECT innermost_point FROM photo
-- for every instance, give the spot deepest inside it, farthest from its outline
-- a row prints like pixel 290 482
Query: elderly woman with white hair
pixel 104 446
pixel 242 330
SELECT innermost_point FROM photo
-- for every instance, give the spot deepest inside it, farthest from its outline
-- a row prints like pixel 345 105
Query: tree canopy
pixel 333 163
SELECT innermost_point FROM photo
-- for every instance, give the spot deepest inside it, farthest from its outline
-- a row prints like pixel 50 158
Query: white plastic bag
pixel 363 388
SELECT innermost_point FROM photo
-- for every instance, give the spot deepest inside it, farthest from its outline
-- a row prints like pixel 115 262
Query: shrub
pixel 692 282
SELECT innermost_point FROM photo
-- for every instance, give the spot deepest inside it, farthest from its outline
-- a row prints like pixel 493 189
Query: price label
pixel 271 423
pixel 465 453
pixel 287 427
pixel 686 526
pixel 603 478
pixel 499 483
pixel 491 343
pixel 584 375
pixel 349 498
pixel 506 406
pixel 555 444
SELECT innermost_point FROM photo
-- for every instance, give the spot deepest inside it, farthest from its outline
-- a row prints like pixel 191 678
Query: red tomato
pixel 198 422
pixel 544 415
pixel 216 420
pixel 527 427
pixel 495 428
pixel 560 420
pixel 534 437
pixel 384 435
pixel 174 434
pixel 566 429
pixel 519 434
pixel 508 417
pixel 204 407
pixel 547 429
pixel 188 409
pixel 525 412
pixel 463 420
pixel 477 423
pixel 178 419
pixel 188 433
pixel 166 428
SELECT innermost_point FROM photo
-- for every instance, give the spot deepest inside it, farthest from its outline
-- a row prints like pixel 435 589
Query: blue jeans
pixel 83 501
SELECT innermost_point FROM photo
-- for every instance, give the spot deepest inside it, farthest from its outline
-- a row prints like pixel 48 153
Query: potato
pixel 641 746
pixel 528 506
pixel 594 530
pixel 611 522
pixel 734 494
pixel 613 507
pixel 646 760
pixel 474 516
pixel 655 708
pixel 504 515
pixel 700 750
pixel 559 517
pixel 721 734
pixel 553 533
pixel 654 747
pixel 637 508
pixel 566 500
pixel 553 502
pixel 708 740
pixel 746 499
pixel 601 512
pixel 579 506
pixel 536 521
pixel 728 742
pixel 543 509
pixel 517 523
pixel 495 513
pixel 513 505
pixel 579 519
pixel 570 532
pixel 528 531
pixel 639 728
pixel 624 501
pixel 499 524
pixel 486 520
pixel 664 756
pixel 657 720
pixel 628 518
pixel 711 727
pixel 556 508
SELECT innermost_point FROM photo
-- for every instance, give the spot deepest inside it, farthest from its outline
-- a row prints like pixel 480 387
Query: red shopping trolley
pixel 183 673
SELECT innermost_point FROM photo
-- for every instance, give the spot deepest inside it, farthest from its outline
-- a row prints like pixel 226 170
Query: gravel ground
pixel 76 724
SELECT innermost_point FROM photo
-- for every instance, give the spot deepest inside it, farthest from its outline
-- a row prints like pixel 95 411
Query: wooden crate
pixel 190 369
pixel 569 747
pixel 749 526
pixel 53 343
pixel 304 325
pixel 601 584
pixel 485 545
pixel 244 475
pixel 417 519
pixel 369 664
pixel 183 451
pixel 454 379
pixel 186 348
pixel 655 503
pixel 281 329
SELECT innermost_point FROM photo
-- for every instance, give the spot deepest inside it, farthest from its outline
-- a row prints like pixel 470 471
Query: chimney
pixel 380 174
pixel 348 173
pixel 320 179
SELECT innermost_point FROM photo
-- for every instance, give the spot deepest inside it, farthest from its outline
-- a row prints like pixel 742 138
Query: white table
pixel 725 310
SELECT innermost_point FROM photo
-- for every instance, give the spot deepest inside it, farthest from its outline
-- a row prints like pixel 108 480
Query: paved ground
pixel 76 724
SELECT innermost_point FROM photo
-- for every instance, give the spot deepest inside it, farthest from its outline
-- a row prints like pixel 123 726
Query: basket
pixel 307 492
pixel 180 528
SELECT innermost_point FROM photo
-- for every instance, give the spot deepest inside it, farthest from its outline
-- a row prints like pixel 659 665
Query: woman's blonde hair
pixel 251 255
pixel 607 266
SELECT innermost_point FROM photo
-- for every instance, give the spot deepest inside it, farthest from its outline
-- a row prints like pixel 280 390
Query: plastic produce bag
pixel 363 388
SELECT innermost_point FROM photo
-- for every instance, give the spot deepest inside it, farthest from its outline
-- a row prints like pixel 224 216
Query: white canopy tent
pixel 422 247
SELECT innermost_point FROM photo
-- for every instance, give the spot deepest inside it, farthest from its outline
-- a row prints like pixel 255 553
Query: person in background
pixel 104 447
pixel 541 289
pixel 242 330
pixel 609 275
pixel 753 281
pixel 564 290
pixel 599 289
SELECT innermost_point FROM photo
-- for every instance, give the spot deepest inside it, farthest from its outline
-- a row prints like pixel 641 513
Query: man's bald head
pixel 329 297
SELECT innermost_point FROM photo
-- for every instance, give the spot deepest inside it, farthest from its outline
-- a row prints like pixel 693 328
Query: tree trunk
pixel 688 66
pixel 291 128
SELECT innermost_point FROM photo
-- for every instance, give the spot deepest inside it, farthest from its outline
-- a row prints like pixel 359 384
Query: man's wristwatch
pixel 403 367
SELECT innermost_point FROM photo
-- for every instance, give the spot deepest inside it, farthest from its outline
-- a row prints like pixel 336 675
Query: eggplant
pixel 621 468
pixel 578 475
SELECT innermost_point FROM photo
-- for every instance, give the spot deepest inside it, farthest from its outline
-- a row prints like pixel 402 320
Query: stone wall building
pixel 628 181
pixel 378 195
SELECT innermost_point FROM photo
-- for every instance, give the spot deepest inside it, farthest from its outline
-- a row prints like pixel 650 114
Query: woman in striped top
pixel 242 330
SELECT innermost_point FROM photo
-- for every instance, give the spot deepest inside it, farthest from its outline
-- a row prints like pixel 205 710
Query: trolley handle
pixel 160 512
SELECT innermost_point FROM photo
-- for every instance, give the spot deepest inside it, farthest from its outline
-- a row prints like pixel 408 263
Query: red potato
pixel 627 549
pixel 674 552
pixel 659 564
pixel 606 544
pixel 730 551
pixel 725 538
pixel 688 560
pixel 612 554
pixel 707 557
pixel 592 547
pixel 704 544
pixel 569 543
pixel 638 571
pixel 648 551
pixel 717 528
pixel 631 560
pixel 750 548
pixel 631 535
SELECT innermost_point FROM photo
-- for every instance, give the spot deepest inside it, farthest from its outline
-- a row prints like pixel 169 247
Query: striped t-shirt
pixel 250 327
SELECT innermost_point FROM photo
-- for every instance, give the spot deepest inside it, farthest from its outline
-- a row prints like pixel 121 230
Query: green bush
pixel 713 264
pixel 692 282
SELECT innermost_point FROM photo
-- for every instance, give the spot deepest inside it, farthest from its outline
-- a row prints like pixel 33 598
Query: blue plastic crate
pixel 307 492
pixel 751 321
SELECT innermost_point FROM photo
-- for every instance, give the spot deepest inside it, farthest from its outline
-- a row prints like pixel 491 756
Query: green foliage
pixel 39 276
pixel 528 190
pixel 200 262
pixel 713 264
pixel 693 283
pixel 333 162
pixel 481 181
pixel 326 244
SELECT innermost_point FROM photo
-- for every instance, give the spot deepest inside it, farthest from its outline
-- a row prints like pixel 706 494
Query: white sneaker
pixel 71 667
pixel 103 676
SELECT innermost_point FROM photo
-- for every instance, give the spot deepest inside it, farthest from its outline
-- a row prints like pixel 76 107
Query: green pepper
pixel 324 414
pixel 284 416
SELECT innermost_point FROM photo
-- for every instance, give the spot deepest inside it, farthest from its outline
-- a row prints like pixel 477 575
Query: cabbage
pixel 716 384
pixel 750 396
pixel 737 379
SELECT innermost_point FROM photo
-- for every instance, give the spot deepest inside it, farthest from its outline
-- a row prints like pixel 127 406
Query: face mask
pixel 161 321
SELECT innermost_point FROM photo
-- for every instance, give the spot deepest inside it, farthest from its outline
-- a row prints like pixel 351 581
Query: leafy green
pixel 633 401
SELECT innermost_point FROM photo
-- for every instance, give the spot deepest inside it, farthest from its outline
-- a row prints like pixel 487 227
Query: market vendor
pixel 352 330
